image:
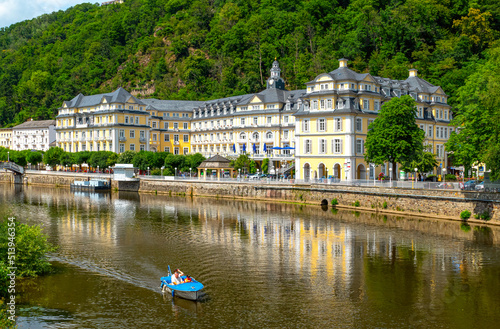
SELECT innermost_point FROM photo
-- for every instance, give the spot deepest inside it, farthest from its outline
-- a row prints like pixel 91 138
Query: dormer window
pixel 414 95
pixel 288 106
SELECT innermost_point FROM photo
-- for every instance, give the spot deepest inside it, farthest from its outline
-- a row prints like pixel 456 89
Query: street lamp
pixel 190 172
pixel 162 168
pixel 239 174
pixel 444 175
pixel 148 171
pixel 390 176
pixel 415 178
pixel 8 156
pixel 97 169
pixel 374 176
pixel 175 172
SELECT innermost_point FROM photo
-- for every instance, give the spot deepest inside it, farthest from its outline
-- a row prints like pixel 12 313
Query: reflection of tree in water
pixel 483 235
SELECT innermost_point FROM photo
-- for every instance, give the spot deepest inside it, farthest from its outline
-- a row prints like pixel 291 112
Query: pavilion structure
pixel 217 163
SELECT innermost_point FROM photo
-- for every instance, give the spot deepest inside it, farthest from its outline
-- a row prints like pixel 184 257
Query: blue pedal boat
pixel 189 290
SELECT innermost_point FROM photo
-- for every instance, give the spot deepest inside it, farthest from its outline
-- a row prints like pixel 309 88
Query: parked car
pixel 253 177
pixel 469 185
pixel 480 187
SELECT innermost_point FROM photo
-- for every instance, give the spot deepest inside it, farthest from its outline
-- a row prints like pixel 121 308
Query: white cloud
pixel 13 11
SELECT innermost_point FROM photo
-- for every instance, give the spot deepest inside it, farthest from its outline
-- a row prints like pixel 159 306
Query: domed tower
pixel 275 80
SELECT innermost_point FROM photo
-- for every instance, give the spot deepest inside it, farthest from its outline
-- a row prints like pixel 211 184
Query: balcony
pixel 142 140
pixel 176 143
pixel 122 139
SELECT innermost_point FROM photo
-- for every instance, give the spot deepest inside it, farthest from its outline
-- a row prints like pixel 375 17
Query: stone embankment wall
pixel 442 204
pixel 429 203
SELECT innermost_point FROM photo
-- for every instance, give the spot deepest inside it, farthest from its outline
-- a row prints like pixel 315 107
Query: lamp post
pixel 109 170
pixel 444 175
pixel 148 171
pixel 8 156
pixel 190 172
pixel 162 168
pixel 97 169
pixel 175 172
pixel 239 174
pixel 415 179
pixel 390 176
pixel 327 180
pixel 374 176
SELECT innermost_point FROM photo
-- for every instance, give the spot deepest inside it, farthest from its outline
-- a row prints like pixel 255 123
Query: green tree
pixel 99 158
pixel 265 165
pixel 35 157
pixel 394 136
pixel 193 161
pixel 174 161
pixel 52 156
pixel 425 162
pixel 126 157
pixel 244 163
pixel 476 115
pixel 66 159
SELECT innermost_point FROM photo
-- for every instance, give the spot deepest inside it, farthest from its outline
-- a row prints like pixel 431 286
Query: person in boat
pixel 177 277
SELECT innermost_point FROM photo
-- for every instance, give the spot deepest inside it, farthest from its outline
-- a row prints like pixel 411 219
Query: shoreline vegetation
pixel 24 251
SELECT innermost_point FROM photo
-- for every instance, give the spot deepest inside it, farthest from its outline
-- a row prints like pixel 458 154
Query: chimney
pixel 343 62
pixel 413 72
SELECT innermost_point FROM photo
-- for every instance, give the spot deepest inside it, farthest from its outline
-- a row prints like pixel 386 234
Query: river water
pixel 267 265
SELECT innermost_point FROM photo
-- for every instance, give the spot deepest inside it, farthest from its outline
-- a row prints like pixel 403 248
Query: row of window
pixel 166 125
pixel 243 121
pixel 242 136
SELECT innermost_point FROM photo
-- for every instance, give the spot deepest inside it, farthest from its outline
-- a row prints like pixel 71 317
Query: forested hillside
pixel 202 49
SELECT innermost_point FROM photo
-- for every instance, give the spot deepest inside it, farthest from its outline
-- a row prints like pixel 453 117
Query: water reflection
pixel 263 264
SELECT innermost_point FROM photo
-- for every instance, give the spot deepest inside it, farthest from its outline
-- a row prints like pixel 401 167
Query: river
pixel 266 265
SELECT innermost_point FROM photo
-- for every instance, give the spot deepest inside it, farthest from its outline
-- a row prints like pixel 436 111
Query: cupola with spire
pixel 275 81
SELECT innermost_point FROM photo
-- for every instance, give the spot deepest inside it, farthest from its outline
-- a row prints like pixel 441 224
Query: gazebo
pixel 217 163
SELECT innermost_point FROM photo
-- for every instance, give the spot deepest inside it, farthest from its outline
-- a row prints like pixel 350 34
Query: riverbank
pixel 441 204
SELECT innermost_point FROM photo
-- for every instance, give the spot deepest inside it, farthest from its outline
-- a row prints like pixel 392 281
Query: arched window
pixel 269 135
pixel 255 136
pixel 243 136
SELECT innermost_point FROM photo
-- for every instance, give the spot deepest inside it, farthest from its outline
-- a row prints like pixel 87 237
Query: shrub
pixel 384 205
pixel 485 215
pixel 465 215
pixel 356 203
pixel 335 202
pixel 450 177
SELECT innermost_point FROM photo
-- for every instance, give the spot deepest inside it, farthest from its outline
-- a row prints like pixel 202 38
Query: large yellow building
pixel 114 122
pixel 338 107
pixel 170 123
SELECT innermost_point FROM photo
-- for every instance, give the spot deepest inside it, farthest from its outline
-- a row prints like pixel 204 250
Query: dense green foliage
pixel 31 251
pixel 179 49
pixel 477 113
pixel 394 136
pixel 243 162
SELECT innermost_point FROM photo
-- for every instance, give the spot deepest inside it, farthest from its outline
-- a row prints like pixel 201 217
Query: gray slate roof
pixel 171 105
pixel 36 124
pixel 120 95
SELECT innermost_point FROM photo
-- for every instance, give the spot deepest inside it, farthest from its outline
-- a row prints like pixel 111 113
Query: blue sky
pixel 13 11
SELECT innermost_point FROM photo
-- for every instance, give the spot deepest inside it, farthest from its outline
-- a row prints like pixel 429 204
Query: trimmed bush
pixel 465 215
pixel 384 205
pixel 335 202
pixel 356 203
